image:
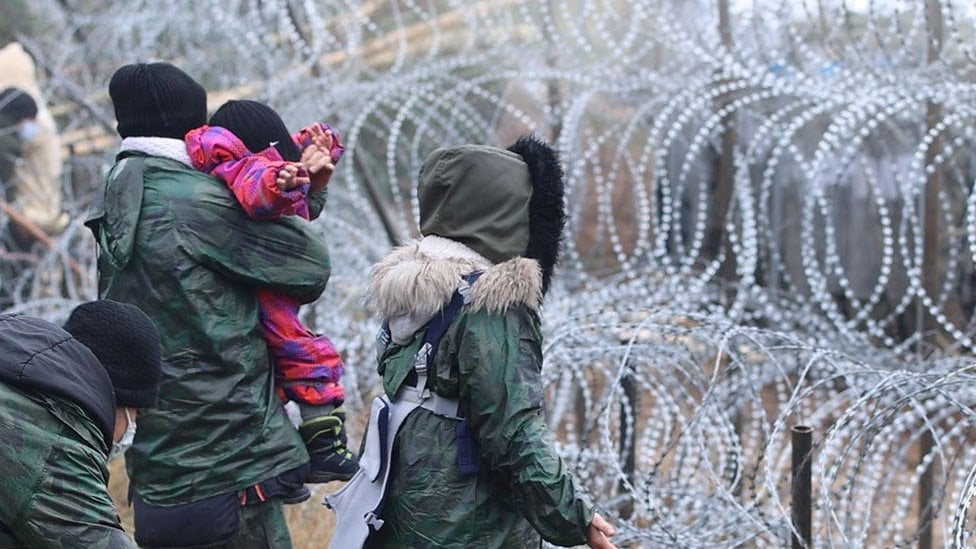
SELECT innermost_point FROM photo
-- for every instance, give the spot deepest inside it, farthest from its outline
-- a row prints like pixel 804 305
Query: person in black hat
pixel 271 173
pixel 215 461
pixel 30 188
pixel 69 399
pixel 17 126
pixel 30 165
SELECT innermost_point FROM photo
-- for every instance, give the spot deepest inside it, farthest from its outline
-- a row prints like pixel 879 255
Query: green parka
pixel 57 415
pixel 175 243
pixel 489 359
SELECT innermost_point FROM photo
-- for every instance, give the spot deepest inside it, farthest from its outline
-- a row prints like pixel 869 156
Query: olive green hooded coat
pixel 489 359
pixel 175 243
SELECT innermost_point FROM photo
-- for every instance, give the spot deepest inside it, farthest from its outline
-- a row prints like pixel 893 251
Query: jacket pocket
pixel 205 523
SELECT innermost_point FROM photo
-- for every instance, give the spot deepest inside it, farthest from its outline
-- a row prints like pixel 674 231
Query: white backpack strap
pixel 442 406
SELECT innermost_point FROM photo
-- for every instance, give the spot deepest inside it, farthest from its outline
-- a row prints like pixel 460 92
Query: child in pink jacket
pixel 272 174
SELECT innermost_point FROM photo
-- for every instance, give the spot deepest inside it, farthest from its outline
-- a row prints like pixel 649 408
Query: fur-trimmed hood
pixel 501 203
pixel 415 281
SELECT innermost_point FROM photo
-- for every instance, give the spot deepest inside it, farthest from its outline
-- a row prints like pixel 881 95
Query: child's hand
pixel 316 158
pixel 289 177
pixel 321 138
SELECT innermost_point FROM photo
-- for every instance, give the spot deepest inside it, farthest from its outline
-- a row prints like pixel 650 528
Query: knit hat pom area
pixel 156 100
pixel 126 342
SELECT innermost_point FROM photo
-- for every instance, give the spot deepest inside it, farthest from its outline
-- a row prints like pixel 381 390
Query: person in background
pixel 30 188
pixel 17 127
pixel 271 173
pixel 32 180
pixel 216 460
pixel 474 465
pixel 69 401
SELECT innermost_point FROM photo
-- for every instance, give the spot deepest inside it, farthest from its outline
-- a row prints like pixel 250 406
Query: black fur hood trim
pixel 547 208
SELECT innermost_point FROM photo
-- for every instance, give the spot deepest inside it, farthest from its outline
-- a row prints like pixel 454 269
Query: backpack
pixel 359 504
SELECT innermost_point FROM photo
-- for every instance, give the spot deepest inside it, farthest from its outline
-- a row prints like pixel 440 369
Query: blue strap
pixel 467 445
pixel 436 328
pixel 467 448
pixel 438 325
pixel 383 426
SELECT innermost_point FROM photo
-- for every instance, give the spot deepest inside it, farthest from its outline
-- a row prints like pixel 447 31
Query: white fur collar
pixel 166 147
pixel 413 283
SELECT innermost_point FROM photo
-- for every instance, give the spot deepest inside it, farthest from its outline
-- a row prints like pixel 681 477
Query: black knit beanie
pixel 156 100
pixel 17 104
pixel 257 126
pixel 126 342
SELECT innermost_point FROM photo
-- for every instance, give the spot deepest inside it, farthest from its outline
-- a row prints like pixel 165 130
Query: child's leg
pixel 324 433
pixel 323 429
pixel 307 371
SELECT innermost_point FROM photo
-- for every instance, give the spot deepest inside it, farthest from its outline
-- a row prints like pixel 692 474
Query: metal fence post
pixel 800 487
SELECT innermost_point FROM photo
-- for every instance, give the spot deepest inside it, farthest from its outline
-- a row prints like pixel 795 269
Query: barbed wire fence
pixel 772 224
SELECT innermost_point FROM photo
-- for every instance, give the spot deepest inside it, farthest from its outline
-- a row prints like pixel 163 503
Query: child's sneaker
pixel 325 440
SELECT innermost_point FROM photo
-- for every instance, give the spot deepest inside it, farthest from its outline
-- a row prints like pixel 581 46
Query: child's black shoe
pixel 325 439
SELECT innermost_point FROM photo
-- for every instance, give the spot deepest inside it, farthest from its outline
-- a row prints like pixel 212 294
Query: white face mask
pixel 28 130
pixel 119 448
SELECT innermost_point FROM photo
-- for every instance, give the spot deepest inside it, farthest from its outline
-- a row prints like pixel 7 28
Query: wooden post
pixel 628 440
pixel 724 180
pixel 933 269
pixel 926 489
pixel 552 85
pixel 379 205
pixel 801 508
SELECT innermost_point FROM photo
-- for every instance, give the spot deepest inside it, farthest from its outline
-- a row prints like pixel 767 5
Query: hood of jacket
pixel 501 203
pixel 478 196
pixel 411 284
pixel 115 211
pixel 38 355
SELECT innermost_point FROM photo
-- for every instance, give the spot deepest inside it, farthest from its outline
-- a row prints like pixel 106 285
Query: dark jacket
pixel 490 359
pixel 175 243
pixel 57 415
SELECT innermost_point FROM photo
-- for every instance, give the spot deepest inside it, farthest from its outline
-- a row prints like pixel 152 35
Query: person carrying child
pixel 271 173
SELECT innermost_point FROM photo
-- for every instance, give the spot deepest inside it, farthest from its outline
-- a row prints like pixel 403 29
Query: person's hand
pixel 322 138
pixel 317 158
pixel 600 533
pixel 288 177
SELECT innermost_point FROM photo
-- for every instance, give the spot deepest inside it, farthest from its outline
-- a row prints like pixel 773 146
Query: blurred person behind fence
pixel 216 460
pixel 69 401
pixel 18 113
pixel 30 187
pixel 31 178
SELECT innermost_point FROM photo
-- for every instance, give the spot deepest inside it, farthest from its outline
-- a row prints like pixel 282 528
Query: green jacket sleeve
pixel 316 203
pixel 283 255
pixel 500 360
pixel 71 506
pixel 53 475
